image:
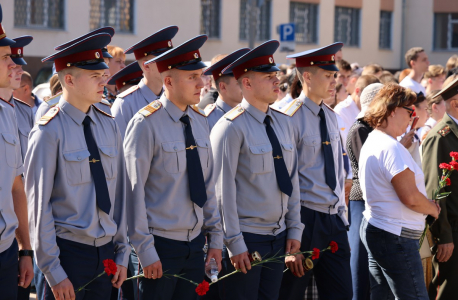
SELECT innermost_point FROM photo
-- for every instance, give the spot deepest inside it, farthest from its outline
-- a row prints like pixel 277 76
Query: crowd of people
pixel 168 165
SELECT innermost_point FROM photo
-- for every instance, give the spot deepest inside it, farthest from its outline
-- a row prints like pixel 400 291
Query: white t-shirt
pixel 408 82
pixel 348 111
pixel 383 157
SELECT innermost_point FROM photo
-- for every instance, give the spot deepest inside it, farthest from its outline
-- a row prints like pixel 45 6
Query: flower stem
pixel 82 288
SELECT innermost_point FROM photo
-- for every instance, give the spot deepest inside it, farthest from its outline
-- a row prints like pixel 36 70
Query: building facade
pixel 373 31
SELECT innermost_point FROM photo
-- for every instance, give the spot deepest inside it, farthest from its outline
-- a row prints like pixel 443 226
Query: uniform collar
pixel 456 121
pixel 76 114
pixel 223 105
pixel 254 112
pixel 146 91
pixel 174 112
pixel 314 108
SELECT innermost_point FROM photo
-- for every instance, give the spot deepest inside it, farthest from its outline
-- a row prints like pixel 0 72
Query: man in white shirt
pixel 418 62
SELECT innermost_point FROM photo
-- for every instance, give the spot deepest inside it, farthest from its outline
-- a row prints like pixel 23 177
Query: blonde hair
pixel 452 63
pixel 434 71
pixel 116 51
pixel 372 69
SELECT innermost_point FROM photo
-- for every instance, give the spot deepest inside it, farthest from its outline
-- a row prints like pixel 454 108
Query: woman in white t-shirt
pixel 396 203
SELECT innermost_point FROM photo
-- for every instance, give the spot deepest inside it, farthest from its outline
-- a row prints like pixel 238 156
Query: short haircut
pixel 62 73
pixel 364 81
pixel 302 70
pixel 412 54
pixel 343 65
pixel 387 78
pixel 27 79
pixel 452 63
pixel 372 69
pixel 432 100
pixel 224 79
pixel 54 85
pixel 217 58
pixel 434 71
pixel 116 51
pixel 390 97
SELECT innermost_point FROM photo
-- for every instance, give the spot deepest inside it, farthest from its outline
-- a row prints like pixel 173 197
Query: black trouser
pixel 9 272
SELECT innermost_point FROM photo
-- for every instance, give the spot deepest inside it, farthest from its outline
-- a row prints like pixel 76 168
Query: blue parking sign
pixel 287 37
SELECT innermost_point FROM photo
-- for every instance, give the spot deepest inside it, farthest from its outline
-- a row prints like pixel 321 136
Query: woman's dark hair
pixel 296 88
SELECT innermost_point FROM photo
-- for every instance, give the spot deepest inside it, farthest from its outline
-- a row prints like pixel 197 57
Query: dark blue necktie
pixel 346 161
pixel 195 175
pixel 101 189
pixel 283 179
pixel 329 171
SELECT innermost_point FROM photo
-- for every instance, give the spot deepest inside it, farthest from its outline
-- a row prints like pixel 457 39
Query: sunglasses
pixel 412 111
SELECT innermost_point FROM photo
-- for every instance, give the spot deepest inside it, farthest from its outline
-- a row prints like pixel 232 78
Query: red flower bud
pixel 334 246
pixel 454 165
pixel 454 155
pixel 110 267
pixel 202 288
pixel 316 253
pixel 448 182
pixel 445 166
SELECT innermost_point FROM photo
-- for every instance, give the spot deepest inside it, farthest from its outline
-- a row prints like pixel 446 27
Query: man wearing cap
pixel 439 143
pixel 150 88
pixel 126 77
pixel 257 185
pixel 170 167
pixel 78 204
pixel 14 239
pixel 321 179
pixel 103 104
pixel 229 90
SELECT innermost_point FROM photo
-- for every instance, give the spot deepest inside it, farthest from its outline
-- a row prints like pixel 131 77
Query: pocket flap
pixel 261 149
pixel 203 143
pixel 287 147
pixel 77 155
pixel 173 146
pixel 312 141
pixel 24 131
pixel 10 138
pixel 109 151
pixel 334 136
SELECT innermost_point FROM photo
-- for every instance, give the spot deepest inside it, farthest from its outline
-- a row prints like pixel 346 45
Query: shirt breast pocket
pixel 261 158
pixel 203 147
pixel 11 144
pixel 174 156
pixel 335 141
pixel 287 150
pixel 310 147
pixel 77 167
pixel 109 161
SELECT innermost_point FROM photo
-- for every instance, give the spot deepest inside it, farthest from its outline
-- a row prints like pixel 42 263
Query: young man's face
pixel 343 77
pixel 323 83
pixel 233 90
pixel 421 64
pixel 265 86
pixel 437 82
pixel 89 84
pixel 16 75
pixel 6 66
pixel 187 86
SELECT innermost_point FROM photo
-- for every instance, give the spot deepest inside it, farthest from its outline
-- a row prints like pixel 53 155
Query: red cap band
pixel 63 62
pixel 309 61
pixel 2 32
pixel 17 52
pixel 142 52
pixel 167 64
pixel 258 61
pixel 121 81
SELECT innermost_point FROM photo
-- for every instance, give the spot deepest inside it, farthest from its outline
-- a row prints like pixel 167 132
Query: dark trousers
pixel 177 257
pixel 261 282
pixel 9 272
pixel 82 263
pixel 445 280
pixel 359 260
pixel 129 289
pixel 331 270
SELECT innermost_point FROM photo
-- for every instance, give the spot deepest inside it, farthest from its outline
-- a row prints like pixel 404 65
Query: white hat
pixel 367 96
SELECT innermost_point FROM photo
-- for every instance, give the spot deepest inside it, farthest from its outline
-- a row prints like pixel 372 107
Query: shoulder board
pixel 292 107
pixel 444 130
pixel 150 108
pixel 198 110
pixel 48 116
pixel 102 112
pixel 53 100
pixel 106 102
pixel 209 108
pixel 128 91
pixel 22 102
pixel 328 106
pixel 12 105
pixel 277 110
pixel 234 113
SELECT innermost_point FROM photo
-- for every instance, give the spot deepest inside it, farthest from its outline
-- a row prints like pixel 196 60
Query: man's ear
pixel 222 86
pixel 168 82
pixel 307 76
pixel 69 80
pixel 246 83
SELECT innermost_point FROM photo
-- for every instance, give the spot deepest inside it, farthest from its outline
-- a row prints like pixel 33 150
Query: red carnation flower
pixel 445 166
pixel 110 267
pixel 202 288
pixel 448 182
pixel 454 155
pixel 316 253
pixel 334 246
pixel 454 164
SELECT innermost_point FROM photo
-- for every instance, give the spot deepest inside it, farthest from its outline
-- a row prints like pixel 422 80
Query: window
pixel 39 13
pixel 210 17
pixel 118 14
pixel 446 31
pixel 305 17
pixel 346 26
pixel 263 20
pixel 384 39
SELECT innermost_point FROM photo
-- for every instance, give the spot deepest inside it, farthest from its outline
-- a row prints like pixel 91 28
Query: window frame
pixel 316 25
pixel 450 23
pixel 390 30
pixel 260 39
pixel 347 45
pixel 28 25
pixel 117 27
pixel 219 18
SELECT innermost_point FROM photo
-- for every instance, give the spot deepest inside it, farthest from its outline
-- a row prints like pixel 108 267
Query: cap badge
pixel 332 58
pixel 311 63
pixel 169 43
pixel 271 60
pixel 97 55
pixel 19 51
pixel 196 55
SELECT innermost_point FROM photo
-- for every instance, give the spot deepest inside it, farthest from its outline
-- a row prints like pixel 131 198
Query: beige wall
pixel 151 15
